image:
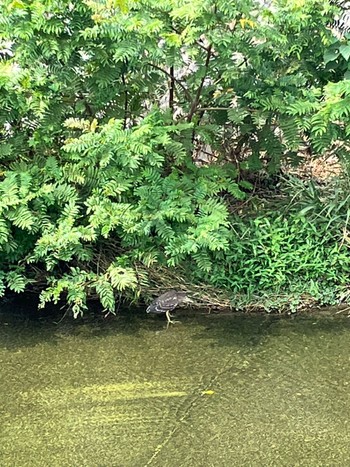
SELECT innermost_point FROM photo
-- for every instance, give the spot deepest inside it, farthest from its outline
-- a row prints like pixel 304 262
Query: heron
pixel 167 302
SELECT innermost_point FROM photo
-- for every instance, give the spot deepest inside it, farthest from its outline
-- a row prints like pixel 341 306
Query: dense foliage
pixel 107 111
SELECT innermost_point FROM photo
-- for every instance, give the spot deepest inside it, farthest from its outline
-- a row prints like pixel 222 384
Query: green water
pixel 211 391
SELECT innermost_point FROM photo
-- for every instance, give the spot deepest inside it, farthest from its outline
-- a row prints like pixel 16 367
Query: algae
pixel 239 390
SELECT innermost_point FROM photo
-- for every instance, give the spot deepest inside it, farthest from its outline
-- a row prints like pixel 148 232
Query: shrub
pixel 105 109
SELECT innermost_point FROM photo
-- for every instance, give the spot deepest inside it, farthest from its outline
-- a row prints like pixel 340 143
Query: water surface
pixel 235 390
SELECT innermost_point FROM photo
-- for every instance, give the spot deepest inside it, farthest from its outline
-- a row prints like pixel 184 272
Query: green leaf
pixel 344 50
pixel 16 281
pixel 330 55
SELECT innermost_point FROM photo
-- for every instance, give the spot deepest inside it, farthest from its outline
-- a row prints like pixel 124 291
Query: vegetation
pixel 107 110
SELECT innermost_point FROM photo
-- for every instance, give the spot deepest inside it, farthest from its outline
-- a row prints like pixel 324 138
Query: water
pixel 213 391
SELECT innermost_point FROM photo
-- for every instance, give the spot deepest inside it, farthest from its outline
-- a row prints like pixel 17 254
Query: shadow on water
pixel 23 325
pixel 241 329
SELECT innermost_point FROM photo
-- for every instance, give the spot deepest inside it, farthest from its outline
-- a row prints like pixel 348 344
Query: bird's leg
pixel 168 317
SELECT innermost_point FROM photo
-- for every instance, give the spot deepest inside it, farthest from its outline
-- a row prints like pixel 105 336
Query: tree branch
pixel 195 103
pixel 185 90
pixel 126 102
pixel 200 109
pixel 171 89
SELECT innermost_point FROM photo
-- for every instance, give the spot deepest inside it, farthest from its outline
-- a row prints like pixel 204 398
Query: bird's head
pixel 184 298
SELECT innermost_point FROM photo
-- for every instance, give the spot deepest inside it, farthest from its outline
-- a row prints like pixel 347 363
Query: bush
pixel 105 110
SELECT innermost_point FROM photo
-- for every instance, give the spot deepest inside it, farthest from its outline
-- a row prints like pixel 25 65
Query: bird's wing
pixel 167 303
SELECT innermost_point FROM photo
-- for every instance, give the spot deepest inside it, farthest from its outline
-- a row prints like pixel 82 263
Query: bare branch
pixel 200 88
pixel 185 90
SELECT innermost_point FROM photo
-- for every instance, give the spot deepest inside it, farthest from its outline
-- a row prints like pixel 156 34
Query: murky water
pixel 213 391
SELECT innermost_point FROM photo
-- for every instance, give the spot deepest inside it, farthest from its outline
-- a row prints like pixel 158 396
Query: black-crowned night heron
pixel 166 303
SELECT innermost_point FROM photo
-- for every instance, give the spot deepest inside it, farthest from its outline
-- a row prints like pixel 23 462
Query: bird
pixel 167 302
